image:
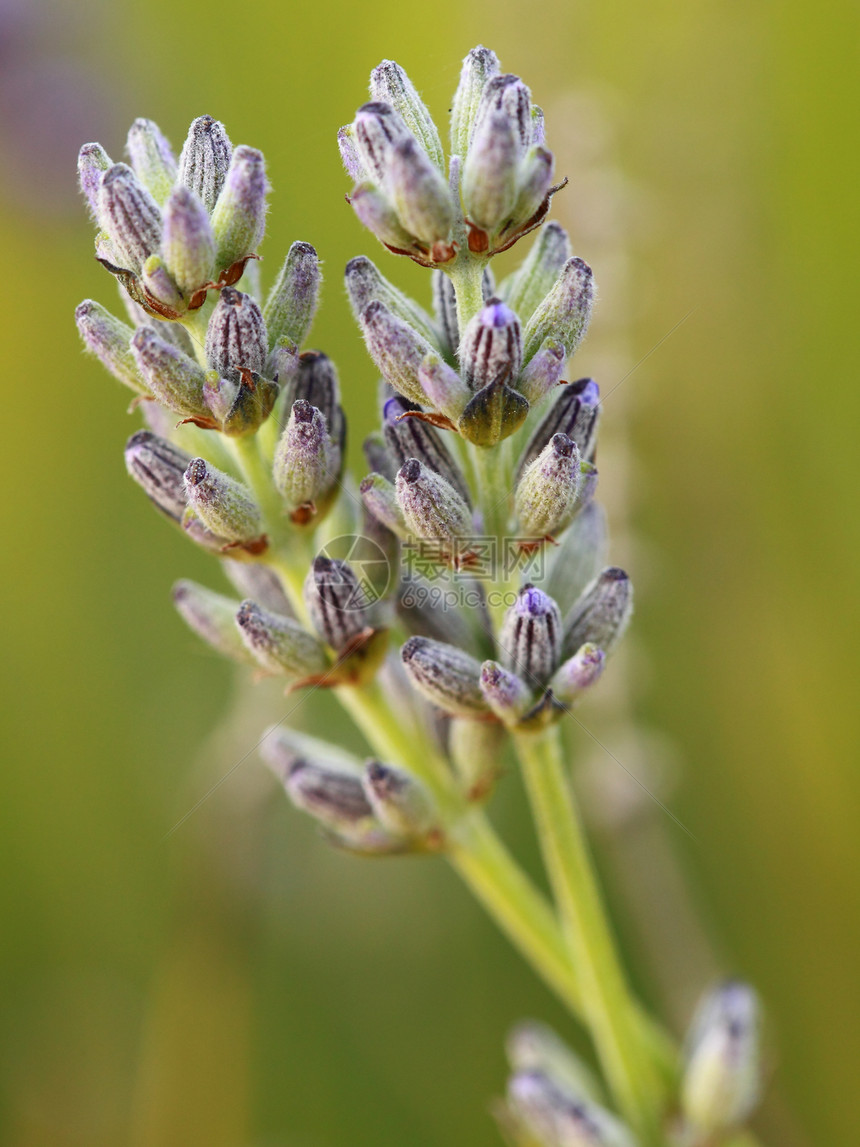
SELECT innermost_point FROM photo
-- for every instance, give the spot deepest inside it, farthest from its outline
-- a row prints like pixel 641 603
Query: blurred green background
pixel 236 983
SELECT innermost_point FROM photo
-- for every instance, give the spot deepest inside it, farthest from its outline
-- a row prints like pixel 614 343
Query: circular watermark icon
pixel 368 562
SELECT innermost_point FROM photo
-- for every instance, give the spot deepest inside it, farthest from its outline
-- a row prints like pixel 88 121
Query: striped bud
pixel 336 601
pixel 530 637
pixel 445 309
pixel 445 390
pixel 547 494
pixel 380 499
pixel 379 217
pixel 532 282
pixel 109 340
pixel 578 673
pixel 601 614
pixel 212 616
pixel 431 506
pixel 378 128
pixel 159 467
pixel 507 95
pixel 399 800
pixel 221 503
pixel 576 413
pixel 239 216
pixel 396 348
pixel 479 67
pixel 418 192
pixel 508 696
pixel 280 644
pixel 173 378
pixel 306 462
pixel 331 795
pixel 187 244
pixel 151 158
pixel 390 84
pixel 293 299
pixel 564 313
pixel 236 335
pixel 316 382
pixel 445 675
pixel 130 217
pixel 365 284
pixel 579 558
pixel 412 438
pixel 259 582
pixel 556 1118
pixel 93 162
pixel 491 348
pixel 721 1081
pixel 205 160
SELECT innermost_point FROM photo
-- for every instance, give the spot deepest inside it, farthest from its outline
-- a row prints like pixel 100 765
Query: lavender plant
pixel 455 601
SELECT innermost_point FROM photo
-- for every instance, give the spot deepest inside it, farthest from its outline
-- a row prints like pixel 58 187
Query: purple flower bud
pixel 399 800
pixel 431 506
pixel 187 243
pixel 213 618
pixel 236 335
pixel 336 602
pixel 93 162
pixel 491 348
pixel 390 84
pixel 547 494
pixel 331 795
pixel 419 193
pixel 279 644
pixel 535 182
pixel 378 216
pixel 307 463
pixel 222 504
pixel 564 313
pixel 578 673
pixel 292 302
pixel 396 348
pixel 491 172
pixel 479 66
pixel 549 1114
pixel 349 154
pixel 575 413
pixel 152 158
pixel 110 341
pixel 601 614
pixel 445 675
pixel 158 467
pixel 530 637
pixel 445 390
pixel 205 160
pixel 508 696
pixel 507 95
pixel 378 127
pixel 174 378
pixel 365 284
pixel 412 438
pixel 316 382
pixel 130 216
pixel 544 372
pixel 239 216
pixel 380 499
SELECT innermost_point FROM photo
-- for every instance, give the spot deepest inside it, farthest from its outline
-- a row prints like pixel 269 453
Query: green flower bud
pixel 306 463
pixel 380 499
pixel 419 193
pixel 431 506
pixel 396 348
pixel 222 504
pixel 390 84
pixel 479 66
pixel 493 414
pixel 187 243
pixel 109 340
pixel 239 216
pixel 174 379
pixel 532 282
pixel 534 184
pixel 365 284
pixel 336 602
pixel 530 637
pixel 399 800
pixel 601 614
pixel 212 616
pixel 279 644
pixel 445 675
pixel 205 160
pixel 292 302
pixel 547 495
pixel 564 313
pixel 151 158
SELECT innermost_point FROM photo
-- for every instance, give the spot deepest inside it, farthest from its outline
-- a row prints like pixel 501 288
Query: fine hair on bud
pixel 336 601
pixel 236 335
pixel 530 637
pixel 601 614
pixel 205 160
pixel 411 438
pixel 445 675
pixel 279 644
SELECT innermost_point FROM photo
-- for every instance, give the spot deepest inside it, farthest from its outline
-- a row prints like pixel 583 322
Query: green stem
pixel 609 1009
pixel 467 275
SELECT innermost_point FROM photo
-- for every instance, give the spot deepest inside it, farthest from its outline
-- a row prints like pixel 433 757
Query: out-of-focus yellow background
pixel 237 984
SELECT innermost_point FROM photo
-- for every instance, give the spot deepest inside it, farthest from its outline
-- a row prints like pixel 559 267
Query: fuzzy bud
pixel 348 149
pixel 445 390
pixel 93 162
pixel 316 382
pixel 399 800
pixel 109 340
pixel 396 348
pixel 532 282
pixel 507 696
pixel 158 467
pixel 365 284
pixel 187 245
pixel 221 503
pixel 390 84
pixel 280 644
pixel 412 438
pixel 547 495
pixel 336 601
pixel 240 408
pixel 578 673
pixel 554 1117
pixel 306 461
pixel 380 499
pixel 575 413
pixel 544 372
pixel 173 378
pixel 530 637
pixel 491 172
pixel 205 160
pixel 419 193
pixel 333 796
pixel 479 67
pixel 152 158
pixel 491 348
pixel 564 313
pixel 159 283
pixel 130 216
pixel 239 217
pixel 254 580
pixel 535 182
pixel 378 128
pixel 212 616
pixel 601 614
pixel 379 217
pixel 445 675
pixel 431 506
pixel 292 302
pixel 236 335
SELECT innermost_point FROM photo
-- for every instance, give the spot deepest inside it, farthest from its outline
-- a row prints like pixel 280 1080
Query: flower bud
pixel 547 494
pixel 390 84
pixel 93 162
pixel 445 308
pixel 564 313
pixel 556 1118
pixel 260 583
pixel 378 216
pixel 491 348
pixel 479 66
pixel 173 378
pixel 507 696
pixel 212 617
pixel 239 408
pixel 306 462
pixel 530 637
pixel 365 284
pixel 292 302
pixel 399 800
pixel 316 382
pixel 280 644
pixel 445 675
pixel 222 504
pixel 412 438
pixel 445 390
pixel 578 673
pixel 418 192
pixel 431 506
pixel 533 1046
pixel 396 349
pixel 158 282
pixel 130 216
pixel 336 602
pixel 493 414
pixel 490 172
pixel 109 340
pixel 187 243
pixel 158 467
pixel 239 216
pixel 205 160
pixel 579 558
pixel 721 1082
pixel 348 149
pixel 380 499
pixel 378 127
pixel 601 614
pixel 236 335
pixel 331 795
pixel 151 158
pixel 544 372
pixel 532 282
pixel 575 413
pixel 507 95
pixel 535 182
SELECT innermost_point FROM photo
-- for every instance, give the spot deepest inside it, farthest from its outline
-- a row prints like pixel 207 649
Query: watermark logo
pixel 368 562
